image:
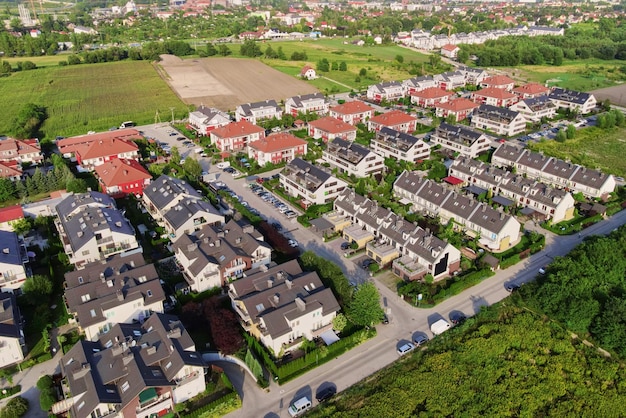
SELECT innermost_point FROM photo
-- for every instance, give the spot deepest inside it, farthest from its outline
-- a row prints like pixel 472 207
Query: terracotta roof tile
pixel 392 118
pixel 498 80
pixel 351 108
pixel 457 105
pixel 237 129
pixel 66 145
pixel 449 47
pixel 11 213
pixel 105 147
pixel 495 92
pixel 432 93
pixel 531 88
pixel 277 142
pixel 332 125
pixel 120 171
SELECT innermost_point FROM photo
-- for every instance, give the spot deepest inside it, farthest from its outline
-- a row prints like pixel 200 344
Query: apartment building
pixel 578 101
pixel 12 342
pixel 531 91
pixel 353 112
pixel 430 97
pixel 459 108
pixel 329 128
pixel 462 139
pixel 204 119
pixel 13 262
pixel 415 84
pixel 258 111
pixel 394 119
pixel 494 96
pixel 314 103
pixel 277 148
pixel 388 90
pixel 499 82
pixel 499 120
pixel 401 146
pixel 236 136
pixel 309 183
pixel 535 108
pixel 353 159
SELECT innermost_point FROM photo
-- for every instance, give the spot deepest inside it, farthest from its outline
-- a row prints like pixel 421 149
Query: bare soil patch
pixel 616 94
pixel 225 83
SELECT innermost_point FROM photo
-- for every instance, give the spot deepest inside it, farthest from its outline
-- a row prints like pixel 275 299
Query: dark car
pixel 277 226
pixel 511 287
pixel 325 394
pixel 385 319
pixel 458 318
pixel 345 245
pixel 367 262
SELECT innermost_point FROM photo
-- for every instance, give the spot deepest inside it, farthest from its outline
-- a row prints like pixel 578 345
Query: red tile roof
pixel 498 80
pixel 432 93
pixel 9 169
pixel 453 180
pixel 277 142
pixel 11 213
pixel 531 88
pixel 392 118
pixel 237 129
pixel 66 145
pixel 332 125
pixel 305 69
pixel 119 171
pixel 457 105
pixel 494 92
pixel 351 108
pixel 104 148
pixel 449 47
pixel 15 147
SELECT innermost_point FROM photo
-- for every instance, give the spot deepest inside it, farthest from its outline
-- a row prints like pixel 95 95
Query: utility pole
pixel 157 118
pixel 172 110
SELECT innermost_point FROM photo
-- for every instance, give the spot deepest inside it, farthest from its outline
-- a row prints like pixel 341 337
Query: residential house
pixel 498 82
pixel 135 370
pixel 20 151
pixel 67 146
pixel 462 139
pixel 11 331
pixel 400 146
pixel 394 119
pixel 236 136
pixel 258 111
pixel 10 170
pixel 8 215
pixel 120 290
pixel 329 128
pixel 119 178
pixel 550 203
pixel 353 112
pixel 314 103
pixel 388 90
pixel 580 102
pixel 494 96
pixel 459 108
pixel 353 159
pixel 91 228
pixel 204 119
pixel 415 84
pixel 450 80
pixel 496 230
pixel 92 154
pixel 535 108
pixel 558 173
pixel 499 120
pixel 13 260
pixel 531 90
pixel 284 306
pixel 178 207
pixel 277 148
pixel 309 183
pixel 450 51
pixel 431 97
pixel 473 75
pixel 412 251
pixel 214 255
pixel 308 73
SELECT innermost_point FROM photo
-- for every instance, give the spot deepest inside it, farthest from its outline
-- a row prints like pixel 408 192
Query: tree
pixel 47 395
pixel 400 58
pixel 223 50
pixel 7 189
pixel 561 136
pixel 21 226
pixel 211 50
pixel 362 72
pixel 434 60
pixel 570 131
pixel 340 322
pixel 323 65
pixel 28 121
pixel 343 66
pixel 249 48
pixel 5 68
pixel 270 53
pixel 37 289
pixel 76 185
pixel 192 168
pixel 15 408
pixel 364 308
pixel 224 326
pixel 175 154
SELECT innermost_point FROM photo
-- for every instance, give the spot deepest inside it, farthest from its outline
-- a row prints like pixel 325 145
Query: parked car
pixel 277 226
pixel 325 394
pixel 345 245
pixel 293 243
pixel 290 214
pixel 458 318
pixel 420 339
pixel 385 319
pixel 542 270
pixel 511 287
pixel 367 262
pixel 405 348
pixel 299 407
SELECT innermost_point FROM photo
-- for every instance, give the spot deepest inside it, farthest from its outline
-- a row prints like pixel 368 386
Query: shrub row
pixel 464 282
pixel 6 392
pixel 217 408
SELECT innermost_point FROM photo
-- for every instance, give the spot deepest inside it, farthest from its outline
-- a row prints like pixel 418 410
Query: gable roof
pixel 166 189
pixel 10 169
pixel 67 145
pixel 347 150
pixel 495 93
pixel 120 171
pixel 11 213
pixel 277 142
pixel 298 101
pixel 237 129
pixel 457 105
pixel 10 249
pixel 352 108
pixel 247 108
pixel 332 125
pixel 449 47
pixel 10 320
pixel 571 96
pixel 498 80
pixel 432 92
pixel 531 88
pixel 496 113
pixel 104 147
pixel 392 118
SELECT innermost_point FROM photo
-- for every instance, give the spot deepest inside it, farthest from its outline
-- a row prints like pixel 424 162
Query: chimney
pixel 116 350
pixel 102 278
pixel 276 298
pixel 174 333
pixel 270 283
pixel 192 247
pixel 128 358
pixel 218 242
pixel 301 304
pixel 289 283
pixel 151 350
pixel 120 295
pixel 84 369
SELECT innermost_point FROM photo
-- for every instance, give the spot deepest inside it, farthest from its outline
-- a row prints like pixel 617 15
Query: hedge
pixel 6 392
pixel 217 408
pixel 464 282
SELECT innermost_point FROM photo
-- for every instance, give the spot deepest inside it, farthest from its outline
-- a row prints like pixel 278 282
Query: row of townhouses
pixel 495 229
pixel 388 238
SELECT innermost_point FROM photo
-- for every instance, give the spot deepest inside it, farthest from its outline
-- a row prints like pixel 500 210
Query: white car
pixel 405 348
pixel 293 243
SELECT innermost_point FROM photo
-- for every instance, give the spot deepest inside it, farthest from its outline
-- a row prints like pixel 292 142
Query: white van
pixel 127 124
pixel 223 165
pixel 440 327
pixel 299 407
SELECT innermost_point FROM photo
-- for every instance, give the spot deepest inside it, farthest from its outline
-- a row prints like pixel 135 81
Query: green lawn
pixel 592 147
pixel 581 75
pixel 89 96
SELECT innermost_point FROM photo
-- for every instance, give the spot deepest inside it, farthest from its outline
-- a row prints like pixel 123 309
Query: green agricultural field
pixel 379 61
pixel 90 97
pixel 43 61
pixel 582 75
pixel 592 147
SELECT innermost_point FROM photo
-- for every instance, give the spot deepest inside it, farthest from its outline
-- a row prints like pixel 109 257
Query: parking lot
pixel 169 137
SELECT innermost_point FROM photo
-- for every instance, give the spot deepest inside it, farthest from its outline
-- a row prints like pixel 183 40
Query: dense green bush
pixel 217 408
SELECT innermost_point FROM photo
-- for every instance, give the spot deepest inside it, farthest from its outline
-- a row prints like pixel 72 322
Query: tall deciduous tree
pixel 364 308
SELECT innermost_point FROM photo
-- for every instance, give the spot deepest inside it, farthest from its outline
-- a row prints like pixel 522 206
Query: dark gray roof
pixel 400 140
pixel 572 96
pixel 589 177
pixel 107 285
pixel 410 181
pixel 10 319
pixel 299 100
pixel 509 153
pixel 539 103
pixel 303 172
pixel 489 218
pixel 126 361
pixel 247 108
pixel 457 133
pixel 496 113
pixel 186 209
pixel 74 202
pixel 11 250
pixel 346 150
pixel 386 84
pixel 164 190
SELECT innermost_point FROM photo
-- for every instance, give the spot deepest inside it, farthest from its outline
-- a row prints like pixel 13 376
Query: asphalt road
pixel 406 320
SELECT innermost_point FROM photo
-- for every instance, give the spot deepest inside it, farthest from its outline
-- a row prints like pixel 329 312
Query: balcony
pixel 408 269
pixel 150 402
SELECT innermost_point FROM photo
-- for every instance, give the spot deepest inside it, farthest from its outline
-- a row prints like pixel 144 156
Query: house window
pixel 149 293
pixel 93 313
pixel 80 280
pixel 168 365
